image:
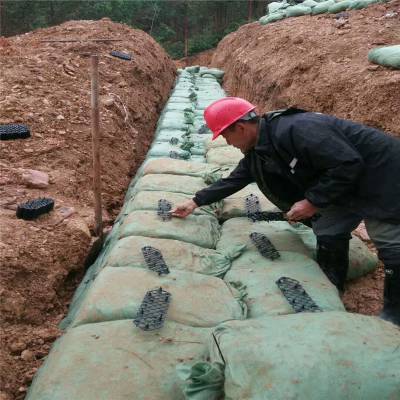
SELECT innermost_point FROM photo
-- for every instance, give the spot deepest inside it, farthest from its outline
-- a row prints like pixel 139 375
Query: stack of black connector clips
pixel 14 131
pixel 121 55
pixel 34 208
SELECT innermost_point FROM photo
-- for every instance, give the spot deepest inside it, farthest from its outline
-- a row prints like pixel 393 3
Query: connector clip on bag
pixel 155 260
pixel 264 246
pixel 153 310
pixel 296 295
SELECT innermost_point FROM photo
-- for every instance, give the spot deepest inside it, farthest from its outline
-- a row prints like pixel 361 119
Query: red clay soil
pixel 46 85
pixel 320 63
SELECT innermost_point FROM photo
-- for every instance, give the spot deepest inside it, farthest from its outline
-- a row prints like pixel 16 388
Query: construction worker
pixel 312 165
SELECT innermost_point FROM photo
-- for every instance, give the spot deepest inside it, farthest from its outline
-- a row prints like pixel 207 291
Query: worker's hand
pixel 301 210
pixel 184 209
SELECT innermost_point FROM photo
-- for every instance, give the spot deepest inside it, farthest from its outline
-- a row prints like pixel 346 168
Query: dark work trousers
pixel 336 221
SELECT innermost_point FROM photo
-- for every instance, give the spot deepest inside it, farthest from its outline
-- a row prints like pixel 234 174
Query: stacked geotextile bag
pixel 388 56
pixel 103 355
pixel 279 354
pixel 235 370
pixel 329 355
pixel 181 131
pixel 280 10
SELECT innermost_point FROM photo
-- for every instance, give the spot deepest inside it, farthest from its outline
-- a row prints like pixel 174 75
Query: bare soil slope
pixel 46 85
pixel 318 63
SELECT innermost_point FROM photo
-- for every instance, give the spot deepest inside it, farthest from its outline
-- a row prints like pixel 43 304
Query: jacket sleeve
pixel 321 146
pixel 238 179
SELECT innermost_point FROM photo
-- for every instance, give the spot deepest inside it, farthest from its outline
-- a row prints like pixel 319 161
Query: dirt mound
pixel 318 63
pixel 45 84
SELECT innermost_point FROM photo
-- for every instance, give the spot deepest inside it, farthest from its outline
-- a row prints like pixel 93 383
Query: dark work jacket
pixel 327 160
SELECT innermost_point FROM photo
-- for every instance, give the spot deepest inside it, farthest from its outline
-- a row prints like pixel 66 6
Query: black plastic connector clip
pixel 164 209
pixel 179 156
pixel 121 55
pixel 252 205
pixel 296 295
pixel 14 131
pixel 264 246
pixel 155 260
pixel 203 130
pixel 153 310
pixel 34 208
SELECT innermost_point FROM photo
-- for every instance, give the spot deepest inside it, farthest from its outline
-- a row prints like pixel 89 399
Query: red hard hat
pixel 224 112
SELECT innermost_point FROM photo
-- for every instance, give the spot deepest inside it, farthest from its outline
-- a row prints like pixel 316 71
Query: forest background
pixel 182 27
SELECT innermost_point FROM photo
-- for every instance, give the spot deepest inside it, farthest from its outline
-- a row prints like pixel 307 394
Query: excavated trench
pixel 143 322
pixel 212 277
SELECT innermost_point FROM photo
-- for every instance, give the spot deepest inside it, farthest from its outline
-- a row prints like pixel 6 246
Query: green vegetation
pixel 182 27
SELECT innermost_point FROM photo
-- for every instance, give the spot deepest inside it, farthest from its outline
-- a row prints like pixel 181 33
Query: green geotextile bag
pixel 117 361
pixel 196 299
pixel 359 4
pixel 165 149
pixel 235 205
pixel 297 11
pixel 148 200
pixel 340 6
pixel 193 148
pixel 236 231
pixel 173 106
pixel 361 259
pixel 181 101
pixel 227 155
pixel 127 252
pixel 201 230
pixel 389 56
pixel 322 7
pixel 193 69
pixel 257 276
pixel 276 16
pixel 202 104
pixel 168 183
pixel 208 172
pixel 218 142
pixel 170 135
pixel 171 118
pixel 200 138
pixel 313 356
pixel 215 72
pixel 309 3
pixel 276 6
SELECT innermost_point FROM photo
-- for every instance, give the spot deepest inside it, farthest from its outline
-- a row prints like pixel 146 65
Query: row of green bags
pixel 281 10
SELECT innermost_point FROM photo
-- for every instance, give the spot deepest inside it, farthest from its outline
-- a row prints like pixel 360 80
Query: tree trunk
pixel 186 29
pixel 249 10
pixel 2 19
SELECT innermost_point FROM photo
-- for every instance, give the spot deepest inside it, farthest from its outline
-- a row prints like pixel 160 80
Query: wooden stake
pixel 94 59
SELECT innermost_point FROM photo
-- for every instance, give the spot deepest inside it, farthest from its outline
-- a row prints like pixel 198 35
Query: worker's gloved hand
pixel 184 209
pixel 301 210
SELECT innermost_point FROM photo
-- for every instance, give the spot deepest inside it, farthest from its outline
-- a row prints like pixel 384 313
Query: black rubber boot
pixel 333 258
pixel 391 295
